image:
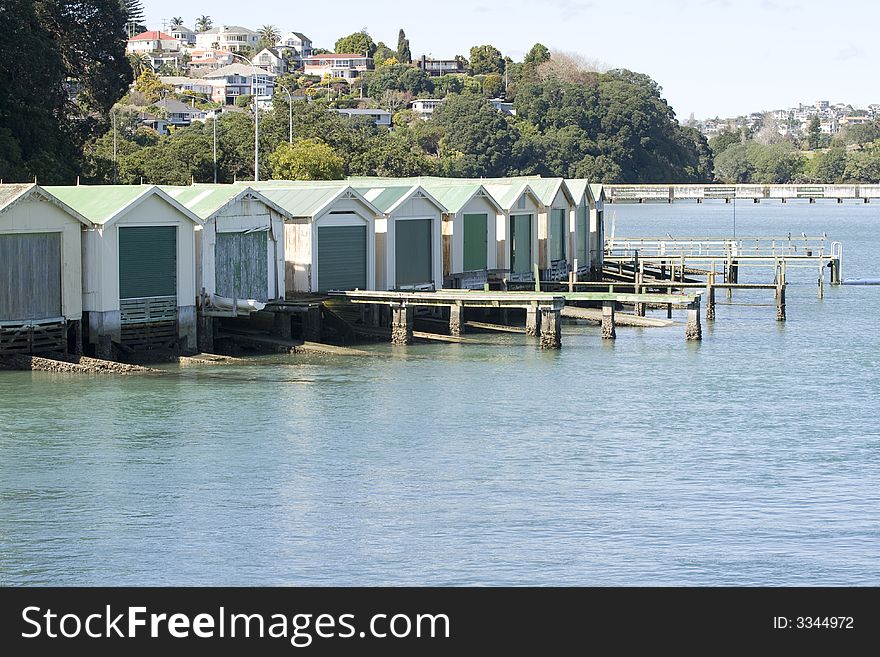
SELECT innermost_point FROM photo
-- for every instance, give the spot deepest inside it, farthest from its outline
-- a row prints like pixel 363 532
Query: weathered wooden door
pixel 342 257
pixel 30 276
pixel 241 265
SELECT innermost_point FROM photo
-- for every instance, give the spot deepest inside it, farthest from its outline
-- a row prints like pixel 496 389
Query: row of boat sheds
pixel 113 270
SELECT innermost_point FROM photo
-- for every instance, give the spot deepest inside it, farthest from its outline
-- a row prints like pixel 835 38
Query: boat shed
pixel 329 235
pixel 583 239
pixel 40 272
pixel 139 272
pixel 240 245
pixel 409 245
pixel 597 228
pixel 470 227
pixel 517 233
pixel 556 254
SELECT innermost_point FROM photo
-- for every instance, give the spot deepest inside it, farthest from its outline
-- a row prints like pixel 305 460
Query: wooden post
pixel 640 281
pixel 780 301
pixel 693 330
pixel 551 330
pixel 313 327
pixel 609 332
pixel 401 324
pixel 835 271
pixel 281 325
pixel 710 296
pixel 821 280
pixel 456 326
pixel 533 321
pixel 669 305
pixel 537 277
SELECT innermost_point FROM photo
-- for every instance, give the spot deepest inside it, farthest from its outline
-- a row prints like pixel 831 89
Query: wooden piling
pixel 835 271
pixel 401 324
pixel 533 321
pixel 780 302
pixel 551 330
pixel 456 325
pixel 693 330
pixel 821 280
pixel 710 296
pixel 608 330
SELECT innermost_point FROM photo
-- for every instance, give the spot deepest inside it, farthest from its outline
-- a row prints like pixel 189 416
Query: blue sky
pixel 712 57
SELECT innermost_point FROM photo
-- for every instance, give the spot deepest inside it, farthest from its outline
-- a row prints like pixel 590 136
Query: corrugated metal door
pixel 147 262
pixel 557 234
pixel 476 238
pixel 413 252
pixel 342 257
pixel 241 262
pixel 583 237
pixel 30 276
pixel 521 243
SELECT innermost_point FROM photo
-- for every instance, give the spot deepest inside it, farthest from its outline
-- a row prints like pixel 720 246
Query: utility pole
pixel 115 167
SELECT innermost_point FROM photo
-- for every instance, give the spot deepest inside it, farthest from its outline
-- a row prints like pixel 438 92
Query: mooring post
pixel 551 329
pixel 456 326
pixel 710 296
pixel 693 330
pixel 533 321
pixel 835 271
pixel 313 324
pixel 609 332
pixel 780 301
pixel 640 281
pixel 821 280
pixel 401 324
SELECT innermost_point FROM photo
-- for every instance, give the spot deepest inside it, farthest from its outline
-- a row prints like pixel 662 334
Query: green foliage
pixel 358 43
pixel 537 55
pixel 204 23
pixel 493 85
pixel 244 100
pixel 149 84
pixel 306 159
pixel 478 141
pixel 451 83
pixel 827 167
pixel 486 59
pixel 398 77
pixel 861 134
pixel 51 42
pixel 757 163
pixel 722 141
pixel 863 165
pixel 814 133
pixel 393 155
pixel 403 53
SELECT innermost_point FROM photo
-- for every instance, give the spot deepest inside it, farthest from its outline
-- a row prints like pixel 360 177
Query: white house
pixel 240 79
pixel 438 67
pixel 227 37
pixel 345 66
pixel 40 272
pixel 298 43
pixel 184 35
pixel 139 271
pixel 380 117
pixel 425 107
pixel 183 84
pixel 270 59
pixel 202 61
pixel 152 41
pixel 179 114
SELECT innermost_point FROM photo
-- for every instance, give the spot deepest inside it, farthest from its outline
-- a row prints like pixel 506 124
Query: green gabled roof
pixel 383 197
pixel 456 195
pixel 207 200
pixel 99 203
pixel 302 201
pixel 598 192
pixel 13 193
pixel 506 192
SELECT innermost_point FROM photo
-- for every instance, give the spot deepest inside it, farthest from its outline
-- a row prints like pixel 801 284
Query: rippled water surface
pixel 750 458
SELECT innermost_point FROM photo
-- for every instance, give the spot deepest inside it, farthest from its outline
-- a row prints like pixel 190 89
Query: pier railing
pixel 709 247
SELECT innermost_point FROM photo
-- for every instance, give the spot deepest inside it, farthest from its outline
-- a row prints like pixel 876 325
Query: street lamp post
pixel 256 116
pixel 290 112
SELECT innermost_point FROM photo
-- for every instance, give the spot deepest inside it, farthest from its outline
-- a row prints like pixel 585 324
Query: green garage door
pixel 413 255
pixel 342 257
pixel 476 238
pixel 30 276
pixel 583 237
pixel 147 262
pixel 558 235
pixel 520 243
pixel 241 265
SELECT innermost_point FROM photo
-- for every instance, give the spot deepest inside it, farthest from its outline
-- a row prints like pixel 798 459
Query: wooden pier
pixel 542 309
pixel 728 193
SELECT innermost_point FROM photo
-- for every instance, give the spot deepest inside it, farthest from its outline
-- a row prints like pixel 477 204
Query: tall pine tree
pixel 134 12
pixel 404 56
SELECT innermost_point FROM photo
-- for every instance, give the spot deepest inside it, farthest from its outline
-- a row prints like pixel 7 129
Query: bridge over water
pixel 755 193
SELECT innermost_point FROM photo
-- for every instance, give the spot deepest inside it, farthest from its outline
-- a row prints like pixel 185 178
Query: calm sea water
pixel 750 458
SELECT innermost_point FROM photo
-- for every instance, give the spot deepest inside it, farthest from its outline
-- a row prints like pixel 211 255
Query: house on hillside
pixel 271 60
pixel 205 61
pixel 297 44
pixel 379 116
pixel 240 79
pixel 345 66
pixel 424 107
pixel 184 35
pixel 233 38
pixel 438 67
pixel 152 41
pixel 178 114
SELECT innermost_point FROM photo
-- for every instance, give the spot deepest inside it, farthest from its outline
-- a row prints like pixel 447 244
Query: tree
pixel 360 43
pixel 149 84
pixel 382 54
pixel 486 59
pixel 177 21
pixel 398 77
pixel 493 85
pixel 569 67
pixel 537 55
pixel 478 140
pixel 828 167
pixel 204 23
pixel 814 133
pixel 306 159
pixel 269 35
pixel 725 139
pixel 134 15
pixel 732 165
pixel 403 53
pixel 768 133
